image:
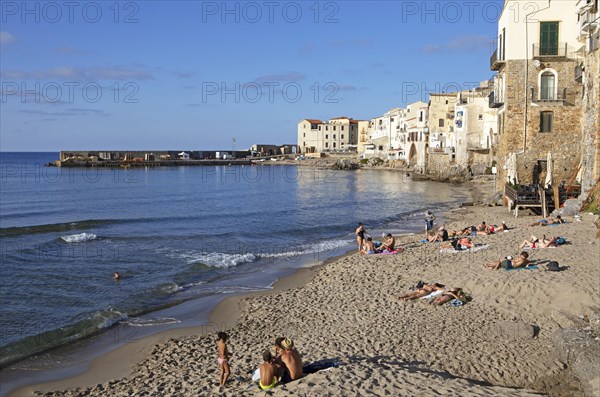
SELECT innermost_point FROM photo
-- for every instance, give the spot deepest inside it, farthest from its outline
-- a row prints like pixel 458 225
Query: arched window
pixel 548 85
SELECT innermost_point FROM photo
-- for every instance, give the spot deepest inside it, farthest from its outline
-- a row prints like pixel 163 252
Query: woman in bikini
pixel 423 291
pixel 453 293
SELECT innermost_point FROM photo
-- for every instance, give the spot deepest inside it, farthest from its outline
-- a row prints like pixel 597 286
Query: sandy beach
pixel 499 344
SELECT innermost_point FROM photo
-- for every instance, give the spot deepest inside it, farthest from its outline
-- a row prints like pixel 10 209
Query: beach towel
pixel 478 247
pixel 433 294
pixel 394 252
pixel 534 267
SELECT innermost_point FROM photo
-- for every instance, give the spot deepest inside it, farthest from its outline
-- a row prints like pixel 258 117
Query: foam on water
pixel 150 321
pixel 79 238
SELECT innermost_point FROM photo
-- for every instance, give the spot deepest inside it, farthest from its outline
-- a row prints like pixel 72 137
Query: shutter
pixel 549 38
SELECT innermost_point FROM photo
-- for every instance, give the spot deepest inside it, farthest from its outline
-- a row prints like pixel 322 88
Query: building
pixel 587 72
pixel 339 134
pixel 414 135
pixel 535 91
pixel 385 136
pixel 363 135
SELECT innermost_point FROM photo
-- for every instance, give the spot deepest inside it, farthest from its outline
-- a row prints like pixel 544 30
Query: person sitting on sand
pixel 223 358
pixel 268 372
pixel 389 243
pixel 508 263
pixel 368 248
pixel 482 228
pixel 423 291
pixel 453 293
pixel 549 221
pixel 290 361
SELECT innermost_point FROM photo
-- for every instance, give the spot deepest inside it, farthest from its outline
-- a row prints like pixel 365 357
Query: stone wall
pixel 590 123
pixel 532 145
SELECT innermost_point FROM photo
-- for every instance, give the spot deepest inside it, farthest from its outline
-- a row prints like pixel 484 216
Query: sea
pixel 176 235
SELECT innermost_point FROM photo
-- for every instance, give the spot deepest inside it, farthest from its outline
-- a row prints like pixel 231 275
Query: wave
pixel 150 321
pixel 224 260
pixel 56 227
pixel 35 344
pixel 79 238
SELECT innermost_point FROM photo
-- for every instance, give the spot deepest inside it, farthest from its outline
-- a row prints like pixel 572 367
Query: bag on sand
pixel 561 240
pixel 553 266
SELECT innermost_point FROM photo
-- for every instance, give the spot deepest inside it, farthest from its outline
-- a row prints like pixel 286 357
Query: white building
pixel 339 134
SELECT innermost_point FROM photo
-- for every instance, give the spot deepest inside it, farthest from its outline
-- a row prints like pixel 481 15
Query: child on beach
pixel 223 358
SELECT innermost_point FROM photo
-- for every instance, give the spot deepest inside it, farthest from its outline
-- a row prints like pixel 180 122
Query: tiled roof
pixel 313 121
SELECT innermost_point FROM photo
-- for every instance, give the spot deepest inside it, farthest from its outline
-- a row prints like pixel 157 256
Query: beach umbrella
pixel 549 166
pixel 511 168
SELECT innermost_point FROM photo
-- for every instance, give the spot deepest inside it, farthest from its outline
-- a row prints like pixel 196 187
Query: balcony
pixel 559 99
pixel 578 73
pixel 494 102
pixel 588 20
pixel 556 50
pixel 495 63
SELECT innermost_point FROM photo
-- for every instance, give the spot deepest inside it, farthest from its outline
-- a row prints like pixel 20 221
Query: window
pixel 326 144
pixel 342 136
pixel 446 101
pixel 326 136
pixel 547 86
pixel 319 128
pixel 333 136
pixel 334 145
pixel 546 119
pixel 480 117
pixel 392 119
pixel 441 122
pixel 304 144
pixel 421 116
pixel 326 128
pixel 304 135
pixel 342 128
pixel 334 127
pixel 548 38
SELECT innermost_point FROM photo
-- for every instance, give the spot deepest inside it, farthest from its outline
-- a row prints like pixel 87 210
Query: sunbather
pixel 423 291
pixel 368 248
pixel 509 263
pixel 535 242
pixel 453 293
pixel 502 227
pixel 550 221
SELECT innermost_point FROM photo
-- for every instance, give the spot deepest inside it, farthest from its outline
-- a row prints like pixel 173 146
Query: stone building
pixel 337 134
pixel 535 90
pixel 588 73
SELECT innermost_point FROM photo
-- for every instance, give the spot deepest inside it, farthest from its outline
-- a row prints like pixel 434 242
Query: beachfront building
pixel 535 91
pixel 587 73
pixel 339 134
pixel 415 132
pixel 441 121
pixel 386 135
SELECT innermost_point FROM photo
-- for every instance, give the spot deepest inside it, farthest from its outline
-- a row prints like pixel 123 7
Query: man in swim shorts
pixel 290 361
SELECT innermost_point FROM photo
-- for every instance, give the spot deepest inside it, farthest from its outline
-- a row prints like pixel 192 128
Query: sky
pixel 194 75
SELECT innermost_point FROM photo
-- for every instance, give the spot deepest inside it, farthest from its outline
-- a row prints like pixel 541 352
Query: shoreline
pixel 227 312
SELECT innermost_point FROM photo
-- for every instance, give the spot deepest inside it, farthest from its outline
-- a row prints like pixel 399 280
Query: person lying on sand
pixel 535 242
pixel 290 361
pixel 269 372
pixel 466 242
pixel 423 291
pixel 550 221
pixel 502 227
pixel 509 263
pixel 453 293
pixel 468 231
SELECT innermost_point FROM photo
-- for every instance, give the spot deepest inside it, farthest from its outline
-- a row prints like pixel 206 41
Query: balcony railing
pixel 557 50
pixel 495 102
pixel 495 63
pixel 559 99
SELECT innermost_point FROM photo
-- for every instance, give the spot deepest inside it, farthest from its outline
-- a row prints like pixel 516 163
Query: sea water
pixel 175 235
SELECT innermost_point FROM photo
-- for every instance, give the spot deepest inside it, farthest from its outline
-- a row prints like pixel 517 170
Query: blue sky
pixel 194 74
